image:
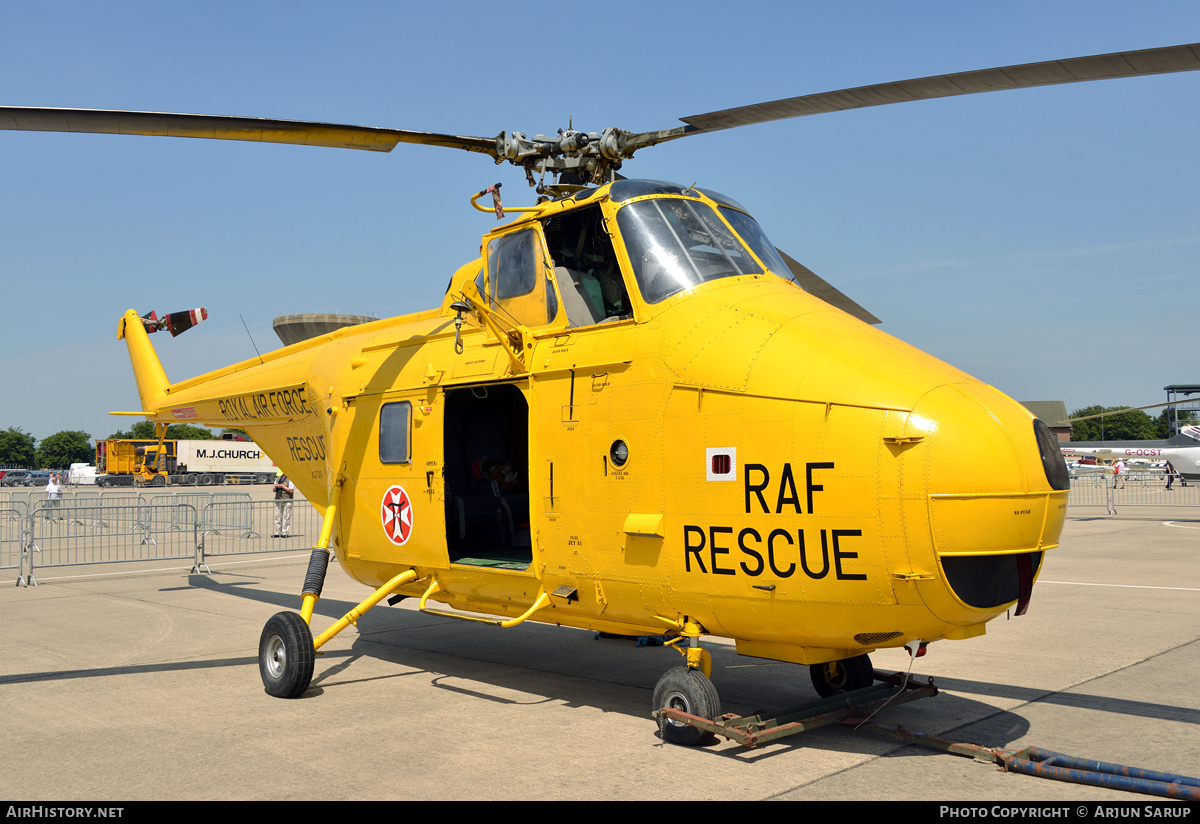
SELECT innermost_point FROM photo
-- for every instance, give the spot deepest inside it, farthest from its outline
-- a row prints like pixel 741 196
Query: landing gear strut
pixel 687 689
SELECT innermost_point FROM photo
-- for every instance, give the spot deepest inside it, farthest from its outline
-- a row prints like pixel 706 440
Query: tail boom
pixel 151 379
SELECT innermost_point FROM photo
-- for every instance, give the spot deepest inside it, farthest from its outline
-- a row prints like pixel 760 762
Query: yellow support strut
pixel 353 615
pixel 312 589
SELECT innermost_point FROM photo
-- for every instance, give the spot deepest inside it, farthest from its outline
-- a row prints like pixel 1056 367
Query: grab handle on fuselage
pixel 542 601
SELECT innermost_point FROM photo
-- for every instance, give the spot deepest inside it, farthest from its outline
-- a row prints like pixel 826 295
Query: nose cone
pixel 996 490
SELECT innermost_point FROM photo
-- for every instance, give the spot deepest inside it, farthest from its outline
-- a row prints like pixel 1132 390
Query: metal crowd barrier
pixel 69 535
pixel 39 533
pixel 1131 489
pixel 259 526
pixel 14 536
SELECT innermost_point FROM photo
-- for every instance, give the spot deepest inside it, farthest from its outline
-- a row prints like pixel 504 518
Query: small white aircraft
pixel 1183 451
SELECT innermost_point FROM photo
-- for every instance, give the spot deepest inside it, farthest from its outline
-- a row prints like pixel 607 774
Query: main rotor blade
pixel 818 287
pixel 218 127
pixel 1027 75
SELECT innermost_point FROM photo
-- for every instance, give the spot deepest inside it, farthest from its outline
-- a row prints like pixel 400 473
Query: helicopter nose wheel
pixel 286 655
pixel 846 675
pixel 690 691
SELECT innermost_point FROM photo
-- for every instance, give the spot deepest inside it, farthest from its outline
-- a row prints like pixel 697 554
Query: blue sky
pixel 1044 240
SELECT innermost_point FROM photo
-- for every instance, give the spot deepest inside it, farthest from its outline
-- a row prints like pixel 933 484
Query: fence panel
pixel 234 528
pixel 1151 489
pixel 1090 489
pixel 14 535
pixel 87 534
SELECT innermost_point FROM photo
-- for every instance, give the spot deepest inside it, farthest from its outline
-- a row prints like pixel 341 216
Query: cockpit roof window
pixel 624 190
pixel 676 244
pixel 723 200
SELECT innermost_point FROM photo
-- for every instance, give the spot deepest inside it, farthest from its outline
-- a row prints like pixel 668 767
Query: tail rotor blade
pixel 180 322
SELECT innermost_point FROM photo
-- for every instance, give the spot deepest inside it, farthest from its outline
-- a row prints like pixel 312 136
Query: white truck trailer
pixel 183 462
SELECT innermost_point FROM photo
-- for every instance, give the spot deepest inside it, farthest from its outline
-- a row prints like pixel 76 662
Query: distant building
pixel 295 328
pixel 1179 393
pixel 1053 414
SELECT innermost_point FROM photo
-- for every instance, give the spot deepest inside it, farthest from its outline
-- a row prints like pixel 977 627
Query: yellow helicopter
pixel 628 416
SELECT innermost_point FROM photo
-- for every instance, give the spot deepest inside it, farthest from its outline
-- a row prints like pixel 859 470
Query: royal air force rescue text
pixel 780 552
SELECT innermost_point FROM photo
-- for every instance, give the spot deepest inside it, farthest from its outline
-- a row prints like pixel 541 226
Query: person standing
pixel 285 491
pixel 53 490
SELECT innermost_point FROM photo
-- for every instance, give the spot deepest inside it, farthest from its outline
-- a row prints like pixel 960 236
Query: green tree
pixel 1163 421
pixel 144 430
pixel 16 447
pixel 140 431
pixel 62 449
pixel 189 432
pixel 1134 425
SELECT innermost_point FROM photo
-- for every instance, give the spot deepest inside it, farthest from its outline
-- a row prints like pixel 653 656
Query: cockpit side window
pixel 749 231
pixel 585 267
pixel 675 244
pixel 517 284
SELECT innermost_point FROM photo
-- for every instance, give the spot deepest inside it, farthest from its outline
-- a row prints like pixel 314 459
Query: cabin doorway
pixel 487 477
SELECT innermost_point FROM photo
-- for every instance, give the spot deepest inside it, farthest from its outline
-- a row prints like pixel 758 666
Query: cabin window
pixel 676 244
pixel 395 426
pixel 518 284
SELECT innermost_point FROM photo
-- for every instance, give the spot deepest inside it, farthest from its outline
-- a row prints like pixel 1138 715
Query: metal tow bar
pixel 1047 764
pixel 754 730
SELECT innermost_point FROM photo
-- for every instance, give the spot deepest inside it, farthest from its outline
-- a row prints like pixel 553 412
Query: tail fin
pixel 152 381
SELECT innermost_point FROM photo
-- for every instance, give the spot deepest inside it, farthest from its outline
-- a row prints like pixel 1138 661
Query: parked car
pixel 39 478
pixel 16 477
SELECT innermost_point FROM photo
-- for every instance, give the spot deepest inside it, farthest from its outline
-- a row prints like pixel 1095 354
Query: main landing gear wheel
pixel 846 675
pixel 690 691
pixel 285 655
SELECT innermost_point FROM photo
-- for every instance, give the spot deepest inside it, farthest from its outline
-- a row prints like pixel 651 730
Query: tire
pixel 158 480
pixel 690 691
pixel 847 675
pixel 206 480
pixel 286 655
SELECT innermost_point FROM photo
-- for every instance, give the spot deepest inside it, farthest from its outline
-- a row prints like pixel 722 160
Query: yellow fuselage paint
pixel 795 479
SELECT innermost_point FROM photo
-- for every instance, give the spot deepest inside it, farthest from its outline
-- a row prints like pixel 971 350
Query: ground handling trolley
pixel 755 730
pixel 856 708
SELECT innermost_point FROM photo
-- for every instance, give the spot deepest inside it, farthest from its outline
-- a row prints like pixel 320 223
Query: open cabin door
pixel 486 447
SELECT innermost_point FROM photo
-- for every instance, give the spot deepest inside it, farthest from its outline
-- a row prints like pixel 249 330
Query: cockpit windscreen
pixel 676 244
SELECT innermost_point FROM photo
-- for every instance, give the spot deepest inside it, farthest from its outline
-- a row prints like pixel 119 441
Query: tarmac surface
pixel 140 681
